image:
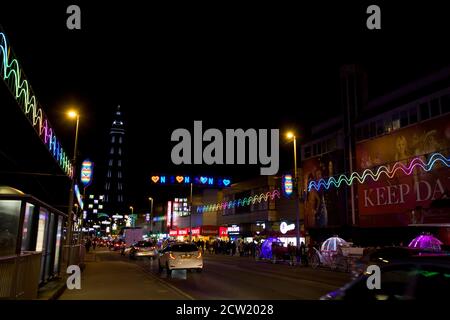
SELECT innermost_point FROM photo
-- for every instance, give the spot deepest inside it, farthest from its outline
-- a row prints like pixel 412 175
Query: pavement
pixel 110 276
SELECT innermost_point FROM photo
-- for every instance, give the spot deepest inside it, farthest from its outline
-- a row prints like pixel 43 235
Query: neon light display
pixel 79 197
pixel 375 175
pixel 265 196
pixel 200 180
pixel 13 76
pixel 288 186
pixel 87 168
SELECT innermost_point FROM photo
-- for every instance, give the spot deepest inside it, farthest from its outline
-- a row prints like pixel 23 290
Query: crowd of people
pixel 229 247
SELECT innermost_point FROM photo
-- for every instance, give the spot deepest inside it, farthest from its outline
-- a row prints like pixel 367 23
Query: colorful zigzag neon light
pixel 239 202
pixel 375 175
pixel 12 74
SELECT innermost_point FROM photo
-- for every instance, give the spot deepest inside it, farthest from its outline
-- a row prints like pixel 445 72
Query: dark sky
pixel 253 66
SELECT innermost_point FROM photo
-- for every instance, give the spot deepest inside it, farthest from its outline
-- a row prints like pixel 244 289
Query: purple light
pixel 426 242
pixel 266 248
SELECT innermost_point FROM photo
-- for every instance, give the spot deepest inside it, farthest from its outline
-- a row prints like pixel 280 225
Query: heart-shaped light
pixel 179 179
pixel 203 180
pixel 155 179
pixel 226 182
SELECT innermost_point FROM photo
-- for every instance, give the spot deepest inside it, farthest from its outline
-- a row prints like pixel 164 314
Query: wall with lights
pixel 14 78
pixel 375 175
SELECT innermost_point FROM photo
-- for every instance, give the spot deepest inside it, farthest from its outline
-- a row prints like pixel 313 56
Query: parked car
pixel 141 249
pixel 180 256
pixel 420 277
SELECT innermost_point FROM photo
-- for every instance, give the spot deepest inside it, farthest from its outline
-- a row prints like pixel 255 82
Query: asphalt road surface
pixel 109 275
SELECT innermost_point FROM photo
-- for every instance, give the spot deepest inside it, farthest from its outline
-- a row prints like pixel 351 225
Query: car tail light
pixel 199 255
pixel 172 256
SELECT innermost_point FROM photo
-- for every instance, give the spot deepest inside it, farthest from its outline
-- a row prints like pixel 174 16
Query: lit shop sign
pixel 223 231
pixel 147 217
pixel 79 198
pixel 117 216
pixel 87 169
pixel 288 186
pixel 199 180
pixel 284 227
pixel 106 222
pixel 234 229
pixel 96 226
pixel 184 232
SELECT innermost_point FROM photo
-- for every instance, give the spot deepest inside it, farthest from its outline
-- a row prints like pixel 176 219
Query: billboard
pixel 403 199
pixel 87 169
pixel 324 207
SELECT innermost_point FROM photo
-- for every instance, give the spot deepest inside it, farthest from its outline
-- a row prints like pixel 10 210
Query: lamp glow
pixel 72 114
pixel 290 135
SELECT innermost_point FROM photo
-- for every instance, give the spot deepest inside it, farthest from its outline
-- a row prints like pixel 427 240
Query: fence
pixel 19 276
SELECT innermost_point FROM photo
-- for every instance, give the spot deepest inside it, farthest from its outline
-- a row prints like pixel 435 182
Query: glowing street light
pixel 291 136
pixel 73 115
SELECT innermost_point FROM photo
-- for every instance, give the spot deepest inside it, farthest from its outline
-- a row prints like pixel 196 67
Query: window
pixel 380 127
pixel 27 227
pixel 101 197
pixel 445 103
pixel 96 201
pixel 109 173
pixel 387 126
pixel 120 140
pixel 119 163
pixel 413 115
pixel 404 121
pixel 424 111
pixel 435 108
pixel 119 174
pixel 365 131
pixel 112 150
pixel 95 211
pixel 90 206
pixel 100 206
pixel 110 163
pixel 113 139
pixel 395 121
pixel 91 196
pixel 373 130
pixel 120 151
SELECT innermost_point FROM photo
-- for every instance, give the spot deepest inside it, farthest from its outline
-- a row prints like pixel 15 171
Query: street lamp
pixel 291 136
pixel 151 213
pixel 132 216
pixel 73 115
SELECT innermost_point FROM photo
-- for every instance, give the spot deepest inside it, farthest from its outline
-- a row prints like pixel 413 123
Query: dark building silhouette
pixel 114 181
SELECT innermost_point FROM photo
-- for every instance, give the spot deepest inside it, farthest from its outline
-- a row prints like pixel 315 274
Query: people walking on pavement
pixel 87 245
pixel 292 253
pixel 94 244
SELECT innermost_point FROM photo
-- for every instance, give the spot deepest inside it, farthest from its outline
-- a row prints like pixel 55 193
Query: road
pixel 112 276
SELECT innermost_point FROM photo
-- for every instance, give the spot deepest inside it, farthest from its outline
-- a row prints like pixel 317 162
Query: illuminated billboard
pixel 404 199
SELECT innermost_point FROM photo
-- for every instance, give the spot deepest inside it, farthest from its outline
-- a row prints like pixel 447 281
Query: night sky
pixel 254 66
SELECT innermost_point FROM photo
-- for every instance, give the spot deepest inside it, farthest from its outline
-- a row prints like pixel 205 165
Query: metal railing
pixel 19 276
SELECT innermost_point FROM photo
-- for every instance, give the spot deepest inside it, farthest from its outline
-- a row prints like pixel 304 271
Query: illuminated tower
pixel 114 181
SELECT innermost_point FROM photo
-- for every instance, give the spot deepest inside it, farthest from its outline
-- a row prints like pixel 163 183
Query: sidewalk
pixel 106 278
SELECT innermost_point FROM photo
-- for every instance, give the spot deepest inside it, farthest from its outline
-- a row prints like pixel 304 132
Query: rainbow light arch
pixel 375 175
pixel 265 196
pixel 12 74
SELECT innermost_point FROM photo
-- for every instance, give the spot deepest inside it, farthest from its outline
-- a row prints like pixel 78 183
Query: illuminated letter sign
pixel 87 168
pixel 169 213
pixel 284 227
pixel 288 186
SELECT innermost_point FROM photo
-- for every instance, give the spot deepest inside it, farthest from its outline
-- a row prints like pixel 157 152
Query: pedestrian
pixel 233 248
pixel 87 245
pixel 303 255
pixel 94 244
pixel 291 251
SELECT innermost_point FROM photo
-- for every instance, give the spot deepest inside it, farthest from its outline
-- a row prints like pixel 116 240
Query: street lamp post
pixel 190 217
pixel 132 216
pixel 151 213
pixel 291 135
pixel 72 114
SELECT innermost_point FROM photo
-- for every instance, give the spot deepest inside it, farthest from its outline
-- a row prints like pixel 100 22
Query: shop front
pixel 203 233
